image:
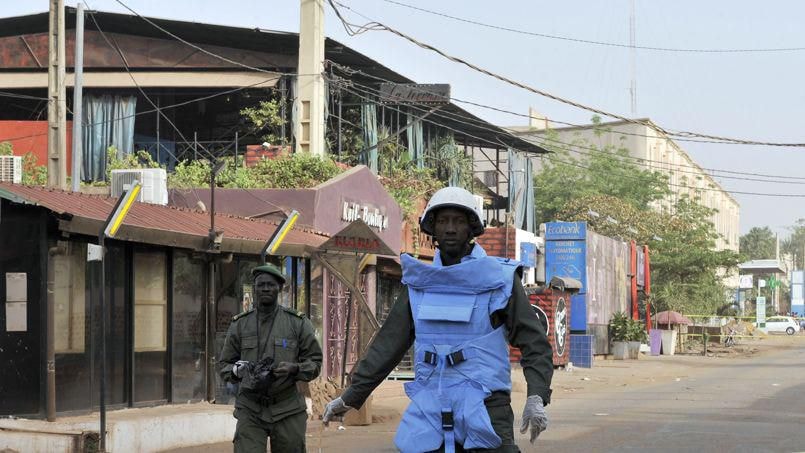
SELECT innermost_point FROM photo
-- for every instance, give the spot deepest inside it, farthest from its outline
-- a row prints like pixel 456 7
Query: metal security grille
pixel 11 169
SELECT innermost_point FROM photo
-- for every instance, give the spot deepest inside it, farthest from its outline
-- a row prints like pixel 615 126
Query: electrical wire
pixel 480 123
pixel 119 51
pixel 593 42
pixel 7 94
pixel 373 25
pixel 167 107
pixel 200 49
pixel 369 96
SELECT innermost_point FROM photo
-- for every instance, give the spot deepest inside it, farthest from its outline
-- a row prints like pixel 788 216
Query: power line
pixel 593 42
pixel 200 49
pixel 354 29
pixel 367 95
pixel 351 71
pixel 167 107
pixel 701 172
pixel 139 88
pixel 7 94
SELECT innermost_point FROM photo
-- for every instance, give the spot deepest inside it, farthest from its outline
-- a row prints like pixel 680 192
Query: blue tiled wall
pixel 581 350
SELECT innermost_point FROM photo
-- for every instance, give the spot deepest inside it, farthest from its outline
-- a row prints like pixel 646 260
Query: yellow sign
pixel 279 234
pixel 121 209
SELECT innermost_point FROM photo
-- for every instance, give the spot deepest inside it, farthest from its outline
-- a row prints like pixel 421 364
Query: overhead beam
pixel 146 79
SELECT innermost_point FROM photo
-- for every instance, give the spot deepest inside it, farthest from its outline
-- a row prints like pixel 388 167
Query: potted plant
pixel 619 334
pixel 636 337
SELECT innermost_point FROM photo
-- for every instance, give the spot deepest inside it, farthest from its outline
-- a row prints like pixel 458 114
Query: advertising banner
pixel 567 259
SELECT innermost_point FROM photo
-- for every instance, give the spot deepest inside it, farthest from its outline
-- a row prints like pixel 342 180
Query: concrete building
pixel 655 151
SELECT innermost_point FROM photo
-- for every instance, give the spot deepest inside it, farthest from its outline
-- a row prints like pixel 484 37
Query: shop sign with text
pixel 374 217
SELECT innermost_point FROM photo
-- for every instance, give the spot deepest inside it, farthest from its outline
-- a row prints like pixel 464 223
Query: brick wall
pixel 494 242
pixel 256 152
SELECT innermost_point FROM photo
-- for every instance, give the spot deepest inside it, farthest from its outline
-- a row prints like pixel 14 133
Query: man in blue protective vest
pixel 460 313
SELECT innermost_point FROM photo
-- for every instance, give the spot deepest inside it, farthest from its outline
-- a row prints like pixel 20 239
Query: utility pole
pixel 57 98
pixel 78 88
pixel 633 58
pixel 309 124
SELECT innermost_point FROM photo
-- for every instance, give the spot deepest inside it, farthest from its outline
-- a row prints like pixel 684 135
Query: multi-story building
pixel 654 150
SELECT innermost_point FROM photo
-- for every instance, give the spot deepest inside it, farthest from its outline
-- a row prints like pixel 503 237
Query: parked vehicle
pixel 786 324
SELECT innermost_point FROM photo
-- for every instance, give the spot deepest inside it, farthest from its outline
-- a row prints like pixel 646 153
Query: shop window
pixel 77 318
pixel 150 325
pixel 188 359
pixel 233 289
pixel 69 296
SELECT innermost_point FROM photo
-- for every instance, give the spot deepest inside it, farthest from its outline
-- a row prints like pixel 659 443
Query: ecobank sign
pixel 565 230
pixel 374 217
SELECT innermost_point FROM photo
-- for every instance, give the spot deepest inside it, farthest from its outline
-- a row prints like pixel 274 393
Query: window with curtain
pixel 108 121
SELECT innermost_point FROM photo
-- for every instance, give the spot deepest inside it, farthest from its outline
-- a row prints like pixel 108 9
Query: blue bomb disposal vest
pixel 459 358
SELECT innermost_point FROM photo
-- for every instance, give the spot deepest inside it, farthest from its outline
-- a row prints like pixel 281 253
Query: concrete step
pixel 142 430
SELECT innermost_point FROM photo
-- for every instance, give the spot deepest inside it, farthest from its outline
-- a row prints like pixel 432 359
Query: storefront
pixel 158 350
pixel 327 208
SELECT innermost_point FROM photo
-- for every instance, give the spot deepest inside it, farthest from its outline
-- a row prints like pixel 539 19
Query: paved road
pixel 658 404
pixel 752 404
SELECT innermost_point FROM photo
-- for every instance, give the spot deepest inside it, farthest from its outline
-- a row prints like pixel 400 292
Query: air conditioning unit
pixel 11 169
pixel 154 183
pixel 479 201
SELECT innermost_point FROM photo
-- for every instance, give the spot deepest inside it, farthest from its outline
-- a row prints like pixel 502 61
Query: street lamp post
pixel 110 229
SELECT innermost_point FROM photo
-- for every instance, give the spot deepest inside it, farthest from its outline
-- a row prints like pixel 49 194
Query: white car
pixel 781 324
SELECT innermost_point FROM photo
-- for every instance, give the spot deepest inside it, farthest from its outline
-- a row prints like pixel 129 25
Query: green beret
pixel 269 268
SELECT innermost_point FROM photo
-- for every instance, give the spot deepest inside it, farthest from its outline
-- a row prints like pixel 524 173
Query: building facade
pixel 655 151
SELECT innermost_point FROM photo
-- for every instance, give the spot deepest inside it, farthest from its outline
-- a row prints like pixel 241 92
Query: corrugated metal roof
pixel 155 218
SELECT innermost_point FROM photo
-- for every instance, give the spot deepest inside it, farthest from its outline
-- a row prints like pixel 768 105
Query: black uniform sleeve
pixel 310 355
pixel 386 350
pixel 230 354
pixel 527 334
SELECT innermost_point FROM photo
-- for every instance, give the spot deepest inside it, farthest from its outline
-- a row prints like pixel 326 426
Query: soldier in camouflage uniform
pixel 286 336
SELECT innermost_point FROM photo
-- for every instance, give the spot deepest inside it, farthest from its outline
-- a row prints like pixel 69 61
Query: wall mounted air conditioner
pixel 11 169
pixel 154 184
pixel 479 201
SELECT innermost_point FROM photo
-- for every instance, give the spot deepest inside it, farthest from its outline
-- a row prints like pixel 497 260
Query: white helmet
pixel 452 197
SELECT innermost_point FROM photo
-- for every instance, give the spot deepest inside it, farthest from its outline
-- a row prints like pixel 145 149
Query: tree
pixel 759 243
pixel 794 244
pixel 599 171
pixel 266 121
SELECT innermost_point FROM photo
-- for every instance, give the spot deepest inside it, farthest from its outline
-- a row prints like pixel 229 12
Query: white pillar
pixel 309 127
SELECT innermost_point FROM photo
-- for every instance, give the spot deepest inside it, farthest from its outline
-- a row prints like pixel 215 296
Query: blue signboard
pixel 566 259
pixel 528 254
pixel 565 230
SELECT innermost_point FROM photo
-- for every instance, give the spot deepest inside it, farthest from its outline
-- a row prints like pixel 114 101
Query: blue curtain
pixel 369 125
pixel 108 121
pixel 521 190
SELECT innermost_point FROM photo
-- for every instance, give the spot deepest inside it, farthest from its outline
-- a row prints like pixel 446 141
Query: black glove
pixel 284 369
